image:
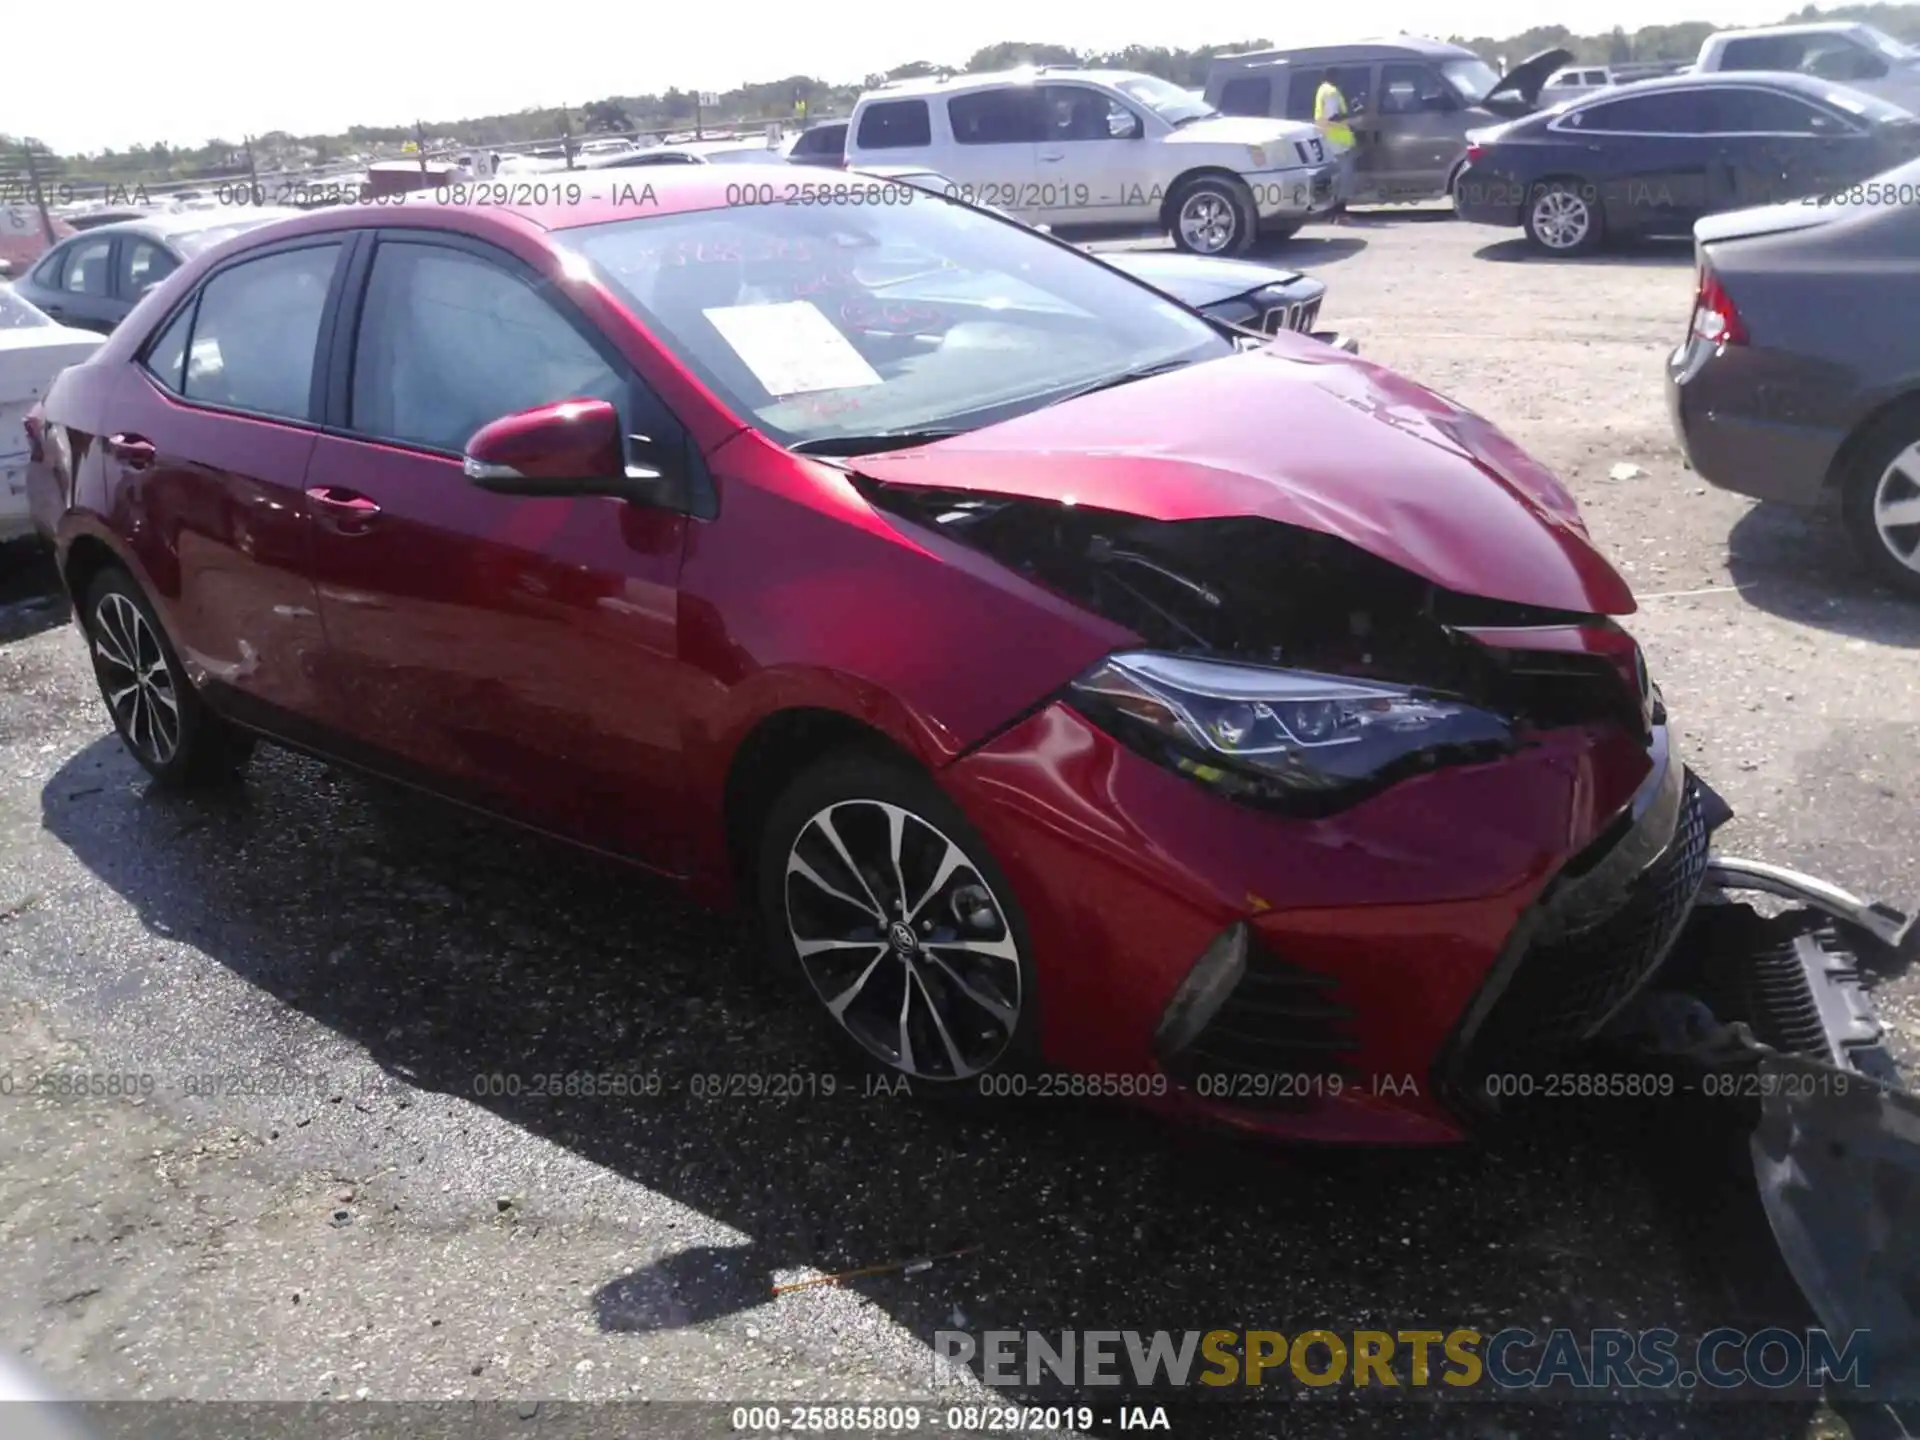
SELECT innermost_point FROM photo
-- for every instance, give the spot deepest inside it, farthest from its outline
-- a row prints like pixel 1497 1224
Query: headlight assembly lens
pixel 1283 735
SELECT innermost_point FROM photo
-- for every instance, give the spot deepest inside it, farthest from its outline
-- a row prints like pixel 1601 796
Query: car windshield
pixel 1886 44
pixel 1472 78
pixel 192 242
pixel 1165 99
pixel 17 314
pixel 856 319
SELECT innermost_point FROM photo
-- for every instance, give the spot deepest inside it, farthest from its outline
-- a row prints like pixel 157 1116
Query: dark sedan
pixel 1799 378
pixel 93 279
pixel 1653 157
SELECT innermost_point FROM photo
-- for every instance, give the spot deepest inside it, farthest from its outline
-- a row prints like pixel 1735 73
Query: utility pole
pixel 420 143
pixel 699 133
pixel 566 136
pixel 39 197
pixel 253 173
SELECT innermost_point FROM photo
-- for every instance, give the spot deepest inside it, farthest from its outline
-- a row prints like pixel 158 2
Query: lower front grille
pixel 1564 989
pixel 1276 1042
pixel 1298 317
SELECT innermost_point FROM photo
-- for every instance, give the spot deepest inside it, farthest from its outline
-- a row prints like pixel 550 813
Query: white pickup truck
pixel 1093 150
pixel 1844 52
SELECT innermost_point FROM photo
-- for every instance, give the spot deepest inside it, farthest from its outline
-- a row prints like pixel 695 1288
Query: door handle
pixel 347 502
pixel 133 451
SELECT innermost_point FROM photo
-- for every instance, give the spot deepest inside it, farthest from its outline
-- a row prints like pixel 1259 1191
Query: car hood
pixel 1198 280
pixel 1302 434
pixel 1525 80
pixel 31 356
pixel 1241 130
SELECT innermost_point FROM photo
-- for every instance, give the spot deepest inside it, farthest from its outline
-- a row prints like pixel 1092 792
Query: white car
pixel 1842 51
pixel 1572 82
pixel 33 349
pixel 1101 150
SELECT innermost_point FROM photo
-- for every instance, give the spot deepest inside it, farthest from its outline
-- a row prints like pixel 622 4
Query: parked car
pixel 1061 680
pixel 23 238
pixel 1411 101
pixel 106 215
pixel 1091 150
pixel 33 349
pixel 1573 82
pixel 1243 293
pixel 94 279
pixel 1799 378
pixel 824 144
pixel 1845 52
pixel 1653 157
pixel 692 152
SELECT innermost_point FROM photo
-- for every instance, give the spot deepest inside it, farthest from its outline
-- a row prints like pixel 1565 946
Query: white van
pixel 1089 150
pixel 1841 51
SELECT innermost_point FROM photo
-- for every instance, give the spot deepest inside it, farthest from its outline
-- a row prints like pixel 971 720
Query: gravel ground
pixel 394 1231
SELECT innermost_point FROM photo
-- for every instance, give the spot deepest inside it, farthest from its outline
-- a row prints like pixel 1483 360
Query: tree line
pixel 808 95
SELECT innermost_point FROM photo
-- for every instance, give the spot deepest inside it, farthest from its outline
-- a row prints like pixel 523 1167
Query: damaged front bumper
pixel 1775 1011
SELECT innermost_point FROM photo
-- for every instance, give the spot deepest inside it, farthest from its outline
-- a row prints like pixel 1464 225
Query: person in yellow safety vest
pixel 1330 114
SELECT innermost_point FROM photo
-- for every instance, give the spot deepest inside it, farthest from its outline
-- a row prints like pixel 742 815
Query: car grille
pixel 1561 991
pixel 1298 317
pixel 1278 1031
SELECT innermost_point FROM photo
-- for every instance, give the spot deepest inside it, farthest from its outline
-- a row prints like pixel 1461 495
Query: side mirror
pixel 572 448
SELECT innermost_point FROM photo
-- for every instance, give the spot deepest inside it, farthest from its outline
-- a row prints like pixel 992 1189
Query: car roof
pixel 1023 75
pixel 1385 47
pixel 168 224
pixel 1809 85
pixel 1827 27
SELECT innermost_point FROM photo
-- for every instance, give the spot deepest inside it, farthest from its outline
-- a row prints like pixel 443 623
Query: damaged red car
pixel 1067 679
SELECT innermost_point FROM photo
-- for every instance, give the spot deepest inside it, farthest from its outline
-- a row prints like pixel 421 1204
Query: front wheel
pixel 1214 215
pixel 1880 500
pixel 1563 218
pixel 160 717
pixel 881 896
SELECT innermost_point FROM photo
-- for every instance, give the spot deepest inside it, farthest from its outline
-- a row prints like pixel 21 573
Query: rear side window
pixel 87 267
pixel 827 140
pixel 1248 95
pixel 1675 112
pixel 167 356
pixel 143 265
pixel 255 332
pixel 995 117
pixel 1764 52
pixel 895 125
pixel 449 342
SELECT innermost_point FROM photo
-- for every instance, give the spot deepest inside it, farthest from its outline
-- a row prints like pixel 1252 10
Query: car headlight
pixel 1290 738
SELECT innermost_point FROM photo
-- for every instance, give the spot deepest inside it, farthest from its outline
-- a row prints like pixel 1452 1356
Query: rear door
pixel 1651 156
pixel 517 652
pixel 207 440
pixel 994 158
pixel 1094 165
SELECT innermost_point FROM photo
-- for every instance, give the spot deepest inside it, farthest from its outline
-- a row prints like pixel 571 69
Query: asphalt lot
pixel 394 1231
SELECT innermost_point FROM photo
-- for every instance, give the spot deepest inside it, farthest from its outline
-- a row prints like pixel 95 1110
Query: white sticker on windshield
pixel 792 348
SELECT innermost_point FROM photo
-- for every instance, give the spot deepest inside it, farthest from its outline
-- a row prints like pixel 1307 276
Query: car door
pixel 1650 157
pixel 1421 131
pixel 1358 85
pixel 82 293
pixel 995 140
pixel 1094 161
pixel 516 652
pixel 208 438
pixel 140 263
pixel 1775 147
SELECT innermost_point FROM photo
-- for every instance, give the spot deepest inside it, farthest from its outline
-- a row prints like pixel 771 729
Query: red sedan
pixel 1068 680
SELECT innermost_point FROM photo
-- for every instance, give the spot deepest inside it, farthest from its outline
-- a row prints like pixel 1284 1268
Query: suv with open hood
pixel 1093 150
pixel 1411 102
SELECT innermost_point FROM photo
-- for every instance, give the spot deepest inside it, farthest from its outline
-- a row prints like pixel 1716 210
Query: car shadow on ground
pixel 31 599
pixel 452 948
pixel 1653 254
pixel 1309 252
pixel 1801 565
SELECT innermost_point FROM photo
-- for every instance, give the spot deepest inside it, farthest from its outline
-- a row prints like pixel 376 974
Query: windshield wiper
pixel 871 444
pixel 1126 377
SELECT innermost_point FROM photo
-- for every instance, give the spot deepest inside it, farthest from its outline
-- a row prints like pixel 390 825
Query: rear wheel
pixel 159 715
pixel 1880 498
pixel 1563 218
pixel 1214 215
pixel 882 899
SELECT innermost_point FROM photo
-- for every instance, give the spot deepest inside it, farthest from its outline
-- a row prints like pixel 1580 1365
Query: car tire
pixel 1214 215
pixel 1883 473
pixel 159 716
pixel 960 955
pixel 1563 218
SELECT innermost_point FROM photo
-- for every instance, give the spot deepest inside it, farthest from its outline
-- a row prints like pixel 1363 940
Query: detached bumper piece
pixel 1777 1010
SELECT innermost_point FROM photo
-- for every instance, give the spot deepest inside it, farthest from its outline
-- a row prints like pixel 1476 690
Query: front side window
pixel 1472 79
pixel 1073 112
pixel 895 125
pixel 87 267
pixel 449 342
pixel 1412 89
pixel 850 319
pixel 1765 112
pixel 1009 116
pixel 1676 112
pixel 255 332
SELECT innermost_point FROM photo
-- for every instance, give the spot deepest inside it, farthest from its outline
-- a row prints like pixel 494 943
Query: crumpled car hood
pixel 1299 433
